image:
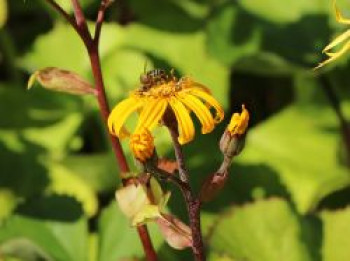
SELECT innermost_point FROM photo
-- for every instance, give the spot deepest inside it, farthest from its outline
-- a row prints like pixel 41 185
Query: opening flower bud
pixel 233 140
pixel 142 144
pixel 239 122
pixel 62 81
pixel 231 145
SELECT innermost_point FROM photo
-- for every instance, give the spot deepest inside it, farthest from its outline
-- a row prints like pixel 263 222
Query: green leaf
pixel 169 15
pixel 117 236
pixel 58 240
pixel 64 182
pixel 39 116
pixel 282 12
pixel 270 42
pixel 287 144
pixel 68 5
pixel 44 52
pixel 336 229
pixel 224 42
pixel 8 202
pixel 3 12
pixel 117 239
pixel 265 231
pixel 202 68
pixel 98 170
pixel 21 171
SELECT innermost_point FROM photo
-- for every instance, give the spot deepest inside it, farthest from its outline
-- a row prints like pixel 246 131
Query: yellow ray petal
pixel 120 113
pixel 201 111
pixel 212 102
pixel 184 121
pixel 339 16
pixel 336 55
pixel 187 83
pixel 341 38
pixel 152 113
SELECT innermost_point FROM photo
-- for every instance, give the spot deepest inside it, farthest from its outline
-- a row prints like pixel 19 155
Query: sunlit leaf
pixel 98 170
pixel 278 37
pixel 59 240
pixel 64 182
pixel 288 143
pixel 336 228
pixel 116 236
pixel 264 230
pixel 3 12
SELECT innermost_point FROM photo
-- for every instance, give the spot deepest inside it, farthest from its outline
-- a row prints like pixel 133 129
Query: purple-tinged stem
pixel 193 203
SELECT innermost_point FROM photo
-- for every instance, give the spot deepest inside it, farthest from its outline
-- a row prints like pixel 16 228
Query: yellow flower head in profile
pixel 142 144
pixel 160 92
pixel 239 122
pixel 344 37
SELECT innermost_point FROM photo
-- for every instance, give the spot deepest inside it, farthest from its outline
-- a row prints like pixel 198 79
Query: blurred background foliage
pixel 289 192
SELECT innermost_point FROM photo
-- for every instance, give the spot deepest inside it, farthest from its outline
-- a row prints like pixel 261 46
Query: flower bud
pixel 231 146
pixel 62 81
pixel 239 122
pixel 233 140
pixel 142 144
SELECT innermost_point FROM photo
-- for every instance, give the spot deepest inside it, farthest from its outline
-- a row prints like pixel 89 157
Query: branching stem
pixel 193 203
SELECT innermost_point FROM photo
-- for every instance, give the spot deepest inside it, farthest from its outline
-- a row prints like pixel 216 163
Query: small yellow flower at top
pixel 142 144
pixel 338 40
pixel 239 122
pixel 160 92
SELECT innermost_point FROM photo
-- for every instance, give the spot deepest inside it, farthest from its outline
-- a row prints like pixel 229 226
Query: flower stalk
pixel 193 203
pixel 80 26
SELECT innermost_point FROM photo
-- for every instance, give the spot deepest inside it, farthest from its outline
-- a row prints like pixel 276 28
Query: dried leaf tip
pixel 62 81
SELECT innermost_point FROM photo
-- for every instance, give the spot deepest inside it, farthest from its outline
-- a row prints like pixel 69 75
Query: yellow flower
pixel 142 144
pixel 239 122
pixel 338 40
pixel 180 96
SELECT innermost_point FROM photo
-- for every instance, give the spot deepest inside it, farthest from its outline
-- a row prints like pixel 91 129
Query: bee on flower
pixel 159 94
pixel 344 37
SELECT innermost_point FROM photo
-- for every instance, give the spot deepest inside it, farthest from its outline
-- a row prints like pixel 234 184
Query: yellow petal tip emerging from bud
pixel 142 144
pixel 239 122
pixel 32 80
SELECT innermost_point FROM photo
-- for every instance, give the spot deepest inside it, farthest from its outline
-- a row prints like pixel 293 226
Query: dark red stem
pixel 91 45
pixel 120 156
pixel 100 18
pixel 104 108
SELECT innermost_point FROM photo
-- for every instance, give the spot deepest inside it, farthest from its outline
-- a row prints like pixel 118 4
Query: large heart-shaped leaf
pixel 296 145
pixel 264 230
